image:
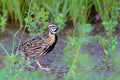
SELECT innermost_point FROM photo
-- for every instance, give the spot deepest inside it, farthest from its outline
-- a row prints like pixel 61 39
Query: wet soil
pixel 55 59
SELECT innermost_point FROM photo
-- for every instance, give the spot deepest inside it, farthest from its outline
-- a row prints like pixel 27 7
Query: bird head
pixel 53 27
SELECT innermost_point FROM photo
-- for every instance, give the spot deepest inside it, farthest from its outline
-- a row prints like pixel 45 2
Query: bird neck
pixel 51 34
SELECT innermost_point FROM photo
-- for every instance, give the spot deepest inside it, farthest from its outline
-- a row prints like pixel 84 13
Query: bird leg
pixel 27 62
pixel 28 59
pixel 40 66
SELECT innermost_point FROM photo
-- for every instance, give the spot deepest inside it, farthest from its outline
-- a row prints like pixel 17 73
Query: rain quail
pixel 39 45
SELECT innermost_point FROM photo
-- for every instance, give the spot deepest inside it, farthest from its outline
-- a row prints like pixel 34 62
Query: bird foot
pixel 31 68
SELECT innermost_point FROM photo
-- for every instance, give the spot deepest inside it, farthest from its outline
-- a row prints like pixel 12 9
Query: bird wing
pixel 34 46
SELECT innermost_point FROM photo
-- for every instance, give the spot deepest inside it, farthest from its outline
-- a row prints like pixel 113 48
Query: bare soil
pixel 55 59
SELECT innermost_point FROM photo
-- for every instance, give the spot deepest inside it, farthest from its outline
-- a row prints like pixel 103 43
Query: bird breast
pixel 51 39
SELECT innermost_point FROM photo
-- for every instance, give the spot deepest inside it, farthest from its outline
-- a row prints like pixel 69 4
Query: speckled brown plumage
pixel 40 45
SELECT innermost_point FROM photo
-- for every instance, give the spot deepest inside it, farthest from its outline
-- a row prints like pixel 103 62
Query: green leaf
pixel 36 74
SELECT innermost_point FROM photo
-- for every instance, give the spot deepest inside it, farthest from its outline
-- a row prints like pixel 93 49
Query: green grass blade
pixel 14 39
pixel 6 52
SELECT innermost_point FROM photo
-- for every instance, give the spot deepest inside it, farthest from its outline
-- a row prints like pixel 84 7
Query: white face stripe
pixel 53 32
pixel 52 28
pixel 52 25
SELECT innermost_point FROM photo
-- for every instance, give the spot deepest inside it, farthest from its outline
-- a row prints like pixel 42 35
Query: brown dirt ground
pixel 55 57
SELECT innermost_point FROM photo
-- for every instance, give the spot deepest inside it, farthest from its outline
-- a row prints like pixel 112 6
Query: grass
pixel 12 65
pixel 78 62
pixel 13 68
pixel 36 15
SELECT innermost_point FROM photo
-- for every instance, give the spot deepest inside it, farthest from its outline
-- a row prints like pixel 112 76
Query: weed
pixel 78 62
pixel 36 15
pixel 80 12
pixel 108 14
pixel 58 13
pixel 109 17
pixel 39 22
pixel 12 66
pixel 3 19
pixel 109 47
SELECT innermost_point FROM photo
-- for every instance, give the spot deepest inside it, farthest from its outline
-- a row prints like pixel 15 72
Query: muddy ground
pixel 55 57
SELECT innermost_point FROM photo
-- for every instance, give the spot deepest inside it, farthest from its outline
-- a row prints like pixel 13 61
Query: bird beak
pixel 58 29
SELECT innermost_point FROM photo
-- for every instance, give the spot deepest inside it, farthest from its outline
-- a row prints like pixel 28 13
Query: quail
pixel 39 45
